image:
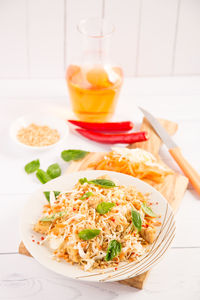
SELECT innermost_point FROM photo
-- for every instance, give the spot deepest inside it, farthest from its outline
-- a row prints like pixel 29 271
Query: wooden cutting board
pixel 173 187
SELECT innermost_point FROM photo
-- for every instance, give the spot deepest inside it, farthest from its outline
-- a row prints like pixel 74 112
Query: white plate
pixel 39 119
pixel 33 209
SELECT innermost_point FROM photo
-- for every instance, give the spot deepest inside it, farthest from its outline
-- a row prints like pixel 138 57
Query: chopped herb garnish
pixel 86 195
pixel 88 234
pixel 105 183
pixel 136 219
pixel 114 248
pixel 83 180
pixel 53 217
pixel 104 207
pixel 47 194
pixel 148 211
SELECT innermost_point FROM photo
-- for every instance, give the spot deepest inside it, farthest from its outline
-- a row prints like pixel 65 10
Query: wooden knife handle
pixel 187 169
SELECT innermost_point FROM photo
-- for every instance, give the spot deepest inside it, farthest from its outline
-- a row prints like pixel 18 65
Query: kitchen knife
pixel 174 150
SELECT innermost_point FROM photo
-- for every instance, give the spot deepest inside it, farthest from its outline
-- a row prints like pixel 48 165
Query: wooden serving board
pixel 173 187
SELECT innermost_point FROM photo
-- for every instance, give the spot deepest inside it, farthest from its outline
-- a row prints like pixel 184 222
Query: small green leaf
pixel 114 248
pixel 136 219
pixel 148 211
pixel 48 218
pixel 56 193
pixel 86 195
pixel 83 180
pixel 70 154
pixel 88 234
pixel 53 217
pixel 104 207
pixel 32 166
pixel 54 171
pixel 47 195
pixel 43 176
pixel 105 183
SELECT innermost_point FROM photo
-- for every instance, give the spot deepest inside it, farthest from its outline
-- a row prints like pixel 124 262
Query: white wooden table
pixel 178 275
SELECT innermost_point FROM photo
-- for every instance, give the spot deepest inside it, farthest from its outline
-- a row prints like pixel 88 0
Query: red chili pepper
pixel 105 127
pixel 123 138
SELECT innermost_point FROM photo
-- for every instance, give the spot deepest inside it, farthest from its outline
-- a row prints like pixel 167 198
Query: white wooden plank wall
pixel 187 54
pixel 45 38
pixel 13 39
pixel 153 37
pixel 75 11
pixel 126 36
pixel 157 34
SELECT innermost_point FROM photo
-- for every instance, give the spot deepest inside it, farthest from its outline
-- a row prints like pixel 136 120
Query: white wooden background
pixel 153 37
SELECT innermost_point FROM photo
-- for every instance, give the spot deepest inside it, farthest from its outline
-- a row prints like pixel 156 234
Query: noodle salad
pixel 97 224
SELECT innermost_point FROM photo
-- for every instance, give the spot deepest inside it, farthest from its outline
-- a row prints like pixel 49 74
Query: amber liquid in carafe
pixel 94 91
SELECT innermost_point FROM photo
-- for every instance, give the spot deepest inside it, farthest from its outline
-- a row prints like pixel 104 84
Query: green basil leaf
pixel 43 176
pixel 148 211
pixel 114 248
pixel 88 234
pixel 54 171
pixel 105 183
pixel 53 217
pixel 47 195
pixel 83 180
pixel 136 219
pixel 104 207
pixel 32 166
pixel 70 154
pixel 86 195
pixel 56 193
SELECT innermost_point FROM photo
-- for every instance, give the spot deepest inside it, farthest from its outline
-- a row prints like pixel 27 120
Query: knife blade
pixel 159 129
pixel 174 150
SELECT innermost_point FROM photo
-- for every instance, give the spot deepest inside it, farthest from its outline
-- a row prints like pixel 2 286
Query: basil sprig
pixel 114 248
pixel 86 195
pixel 136 219
pixel 32 166
pixel 53 217
pixel 148 211
pixel 105 183
pixel 88 234
pixel 47 194
pixel 73 154
pixel 54 170
pixel 104 207
pixel 43 176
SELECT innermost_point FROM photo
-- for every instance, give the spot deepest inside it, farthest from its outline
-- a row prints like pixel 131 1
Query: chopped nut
pixel 38 136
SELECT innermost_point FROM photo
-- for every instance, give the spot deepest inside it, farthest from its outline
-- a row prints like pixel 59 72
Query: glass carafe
pixel 94 82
